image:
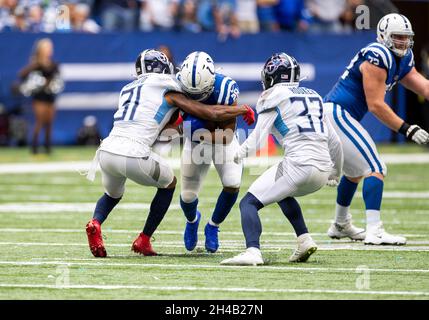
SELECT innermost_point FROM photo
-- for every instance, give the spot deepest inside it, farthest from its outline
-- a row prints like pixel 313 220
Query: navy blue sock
pixel 159 206
pixel 345 192
pixel 250 221
pixel 104 206
pixel 189 209
pixel 372 193
pixel 293 213
pixel 224 204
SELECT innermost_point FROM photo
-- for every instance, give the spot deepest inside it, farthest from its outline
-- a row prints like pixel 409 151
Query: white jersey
pixel 294 115
pixel 142 114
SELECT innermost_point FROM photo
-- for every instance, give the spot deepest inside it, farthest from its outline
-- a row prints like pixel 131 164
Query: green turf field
pixel 44 252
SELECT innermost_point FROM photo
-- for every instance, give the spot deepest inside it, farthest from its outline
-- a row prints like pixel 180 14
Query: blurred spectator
pixel 349 15
pixel 267 15
pixel 158 14
pixel 41 80
pixel 225 14
pixel 19 20
pixel 326 15
pixel 186 18
pixel 119 15
pixel 205 14
pixel 80 19
pixel 7 19
pixel 219 16
pixel 35 16
pixel 88 134
pixel 247 16
pixel 292 15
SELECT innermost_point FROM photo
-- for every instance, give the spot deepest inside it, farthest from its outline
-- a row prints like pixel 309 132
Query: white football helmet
pixel 197 75
pixel 392 25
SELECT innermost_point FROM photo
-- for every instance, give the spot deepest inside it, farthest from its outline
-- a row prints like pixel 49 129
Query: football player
pixel 199 81
pixel 313 156
pixel 374 70
pixel 145 108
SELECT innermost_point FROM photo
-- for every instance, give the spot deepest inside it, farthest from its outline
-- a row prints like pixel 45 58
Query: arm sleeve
pixel 259 134
pixel 335 149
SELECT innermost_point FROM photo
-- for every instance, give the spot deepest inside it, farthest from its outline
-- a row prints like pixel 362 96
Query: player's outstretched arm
pixel 415 82
pixel 207 112
pixel 374 84
pixel 259 135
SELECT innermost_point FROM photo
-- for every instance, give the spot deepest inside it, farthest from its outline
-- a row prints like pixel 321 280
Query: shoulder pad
pixel 169 82
pixel 271 98
pixel 378 55
pixel 228 90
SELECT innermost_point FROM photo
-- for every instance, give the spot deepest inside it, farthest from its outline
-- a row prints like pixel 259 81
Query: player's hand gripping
pixel 249 117
pixel 333 181
pixel 414 133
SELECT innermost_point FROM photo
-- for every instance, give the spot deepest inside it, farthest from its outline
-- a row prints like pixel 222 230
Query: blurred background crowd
pixel 226 17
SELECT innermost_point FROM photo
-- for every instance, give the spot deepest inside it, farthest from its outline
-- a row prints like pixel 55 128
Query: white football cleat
pixel 346 230
pixel 377 235
pixel 306 247
pixel 250 257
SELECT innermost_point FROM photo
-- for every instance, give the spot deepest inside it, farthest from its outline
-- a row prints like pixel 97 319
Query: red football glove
pixel 249 117
pixel 179 120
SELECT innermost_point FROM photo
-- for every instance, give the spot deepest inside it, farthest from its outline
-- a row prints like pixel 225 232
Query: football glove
pixel 249 117
pixel 333 181
pixel 414 133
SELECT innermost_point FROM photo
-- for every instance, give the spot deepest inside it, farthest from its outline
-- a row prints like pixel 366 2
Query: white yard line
pixel 103 262
pixel 211 289
pixel 239 246
pixel 171 232
pixel 80 166
pixel 52 207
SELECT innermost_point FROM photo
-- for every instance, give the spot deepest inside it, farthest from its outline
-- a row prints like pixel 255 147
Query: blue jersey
pixel 225 92
pixel 348 92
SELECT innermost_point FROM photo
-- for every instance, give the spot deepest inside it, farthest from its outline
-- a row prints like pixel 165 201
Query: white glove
pixel 333 181
pixel 417 134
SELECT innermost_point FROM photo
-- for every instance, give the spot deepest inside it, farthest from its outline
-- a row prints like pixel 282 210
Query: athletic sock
pixel 159 206
pixel 372 195
pixel 189 209
pixel 345 192
pixel 293 213
pixel 250 221
pixel 104 206
pixel 224 204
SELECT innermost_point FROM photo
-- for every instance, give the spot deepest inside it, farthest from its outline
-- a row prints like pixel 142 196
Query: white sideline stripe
pixel 68 207
pixel 239 71
pixel 81 166
pixel 236 247
pixel 247 289
pixel 200 266
pixel 172 232
pixel 109 100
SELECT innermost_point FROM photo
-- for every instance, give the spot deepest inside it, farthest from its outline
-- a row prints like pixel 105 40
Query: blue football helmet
pixel 280 67
pixel 153 61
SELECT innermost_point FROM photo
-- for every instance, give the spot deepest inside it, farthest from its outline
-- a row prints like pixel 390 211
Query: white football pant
pixel 147 171
pixel 287 179
pixel 196 161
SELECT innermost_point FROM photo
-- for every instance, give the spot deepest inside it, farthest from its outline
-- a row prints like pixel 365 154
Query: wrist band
pixel 404 128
